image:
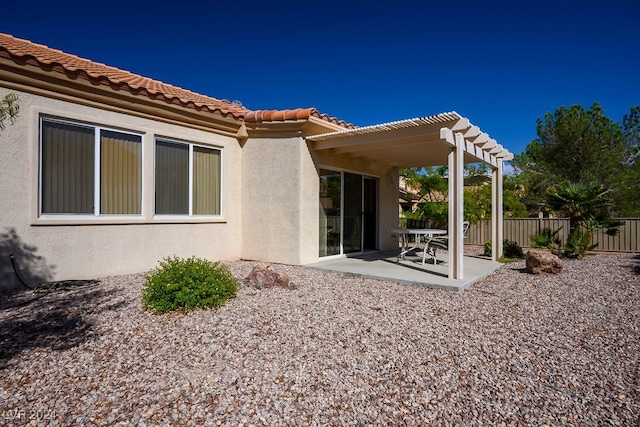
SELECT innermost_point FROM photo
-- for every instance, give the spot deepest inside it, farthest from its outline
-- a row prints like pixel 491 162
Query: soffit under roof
pixel 423 141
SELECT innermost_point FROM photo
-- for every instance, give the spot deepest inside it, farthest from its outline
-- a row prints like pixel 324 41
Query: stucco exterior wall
pixel 70 248
pixel 281 205
pixel 280 201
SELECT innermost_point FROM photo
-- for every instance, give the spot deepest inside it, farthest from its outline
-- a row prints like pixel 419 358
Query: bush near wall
pixel 187 284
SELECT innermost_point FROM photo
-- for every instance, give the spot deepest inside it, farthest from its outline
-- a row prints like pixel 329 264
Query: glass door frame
pixel 341 240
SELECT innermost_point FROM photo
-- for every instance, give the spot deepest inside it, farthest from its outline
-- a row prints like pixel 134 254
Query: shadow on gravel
pixel 50 319
pixel 33 268
pixel 636 267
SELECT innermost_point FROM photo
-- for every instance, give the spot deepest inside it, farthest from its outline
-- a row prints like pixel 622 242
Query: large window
pixel 187 179
pixel 89 170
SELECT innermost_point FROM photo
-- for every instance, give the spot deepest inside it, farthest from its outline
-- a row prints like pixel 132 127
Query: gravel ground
pixel 514 349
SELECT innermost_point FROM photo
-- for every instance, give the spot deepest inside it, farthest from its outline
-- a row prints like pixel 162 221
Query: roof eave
pixel 34 79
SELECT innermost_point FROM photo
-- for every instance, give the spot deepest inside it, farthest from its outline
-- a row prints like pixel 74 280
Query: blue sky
pixel 502 64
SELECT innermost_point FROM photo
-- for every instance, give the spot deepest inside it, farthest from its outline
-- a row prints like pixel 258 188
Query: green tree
pixel 8 108
pixel 588 208
pixel 629 190
pixel 583 147
pixel 432 188
pixel 528 182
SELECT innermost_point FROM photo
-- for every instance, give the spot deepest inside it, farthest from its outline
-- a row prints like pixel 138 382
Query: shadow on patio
pixel 411 271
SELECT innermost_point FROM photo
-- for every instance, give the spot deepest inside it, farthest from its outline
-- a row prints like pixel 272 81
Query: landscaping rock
pixel 264 277
pixel 341 350
pixel 543 262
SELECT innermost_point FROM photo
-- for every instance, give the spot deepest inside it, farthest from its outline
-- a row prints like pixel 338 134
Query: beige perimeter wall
pixel 68 248
pixel 520 230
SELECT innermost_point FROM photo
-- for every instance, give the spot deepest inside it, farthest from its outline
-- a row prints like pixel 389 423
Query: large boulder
pixel 265 277
pixel 543 262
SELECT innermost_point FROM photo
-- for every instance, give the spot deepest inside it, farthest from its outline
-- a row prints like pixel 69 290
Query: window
pixel 187 179
pixel 89 170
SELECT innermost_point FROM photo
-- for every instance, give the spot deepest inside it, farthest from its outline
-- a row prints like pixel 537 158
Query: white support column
pixel 456 208
pixel 497 231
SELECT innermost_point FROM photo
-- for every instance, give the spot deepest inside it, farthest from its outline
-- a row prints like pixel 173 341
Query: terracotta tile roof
pixel 56 60
pixel 21 50
pixel 296 114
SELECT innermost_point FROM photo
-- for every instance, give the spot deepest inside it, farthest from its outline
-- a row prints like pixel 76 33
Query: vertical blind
pixel 206 181
pixel 68 165
pixel 120 173
pixel 172 178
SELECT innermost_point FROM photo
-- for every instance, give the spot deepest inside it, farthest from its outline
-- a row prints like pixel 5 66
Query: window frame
pixel 97 173
pixel 191 145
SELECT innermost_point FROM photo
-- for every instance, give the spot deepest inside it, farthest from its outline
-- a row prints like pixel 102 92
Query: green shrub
pixel 547 239
pixel 579 244
pixel 187 284
pixel 510 249
pixel 487 248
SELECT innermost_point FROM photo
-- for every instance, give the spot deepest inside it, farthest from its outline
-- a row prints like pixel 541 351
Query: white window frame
pixel 97 178
pixel 190 145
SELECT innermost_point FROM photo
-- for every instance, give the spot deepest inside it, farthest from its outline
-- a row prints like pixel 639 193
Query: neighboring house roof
pixel 27 52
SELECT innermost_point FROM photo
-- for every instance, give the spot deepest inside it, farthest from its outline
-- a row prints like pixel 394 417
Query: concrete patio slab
pixel 383 266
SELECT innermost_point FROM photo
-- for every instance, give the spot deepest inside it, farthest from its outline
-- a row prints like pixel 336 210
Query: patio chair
pixel 416 223
pixel 442 242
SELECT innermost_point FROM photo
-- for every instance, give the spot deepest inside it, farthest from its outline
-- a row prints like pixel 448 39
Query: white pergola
pixel 443 139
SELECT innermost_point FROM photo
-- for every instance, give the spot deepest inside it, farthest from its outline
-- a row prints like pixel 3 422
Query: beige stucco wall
pixel 280 201
pixel 66 248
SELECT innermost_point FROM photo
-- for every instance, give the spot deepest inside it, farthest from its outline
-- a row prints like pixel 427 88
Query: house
pixel 106 172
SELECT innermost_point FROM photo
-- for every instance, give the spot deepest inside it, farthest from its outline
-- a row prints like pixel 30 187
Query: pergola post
pixel 456 208
pixel 446 138
pixel 496 211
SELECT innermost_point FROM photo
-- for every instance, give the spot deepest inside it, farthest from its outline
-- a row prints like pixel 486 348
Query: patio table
pixel 427 233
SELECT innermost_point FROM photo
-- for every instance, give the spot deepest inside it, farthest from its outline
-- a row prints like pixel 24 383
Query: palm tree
pixel 588 208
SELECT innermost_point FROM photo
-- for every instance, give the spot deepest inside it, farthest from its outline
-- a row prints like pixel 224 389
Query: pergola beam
pixel 447 138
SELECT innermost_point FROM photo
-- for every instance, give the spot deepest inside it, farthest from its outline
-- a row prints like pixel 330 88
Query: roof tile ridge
pixel 293 114
pixel 87 69
pixel 44 60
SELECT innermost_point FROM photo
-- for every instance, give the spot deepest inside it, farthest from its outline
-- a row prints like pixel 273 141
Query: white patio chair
pixel 442 242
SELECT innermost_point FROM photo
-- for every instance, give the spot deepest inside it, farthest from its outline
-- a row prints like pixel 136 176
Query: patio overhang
pixel 443 139
pixel 424 141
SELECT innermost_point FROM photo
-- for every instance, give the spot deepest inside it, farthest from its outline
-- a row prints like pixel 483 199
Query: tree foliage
pixel 588 208
pixel 628 193
pixel 9 108
pixel 574 146
pixel 432 189
pixel 583 147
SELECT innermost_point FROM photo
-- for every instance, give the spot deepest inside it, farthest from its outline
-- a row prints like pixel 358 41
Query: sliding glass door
pixel 330 212
pixel 352 234
pixel 348 213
